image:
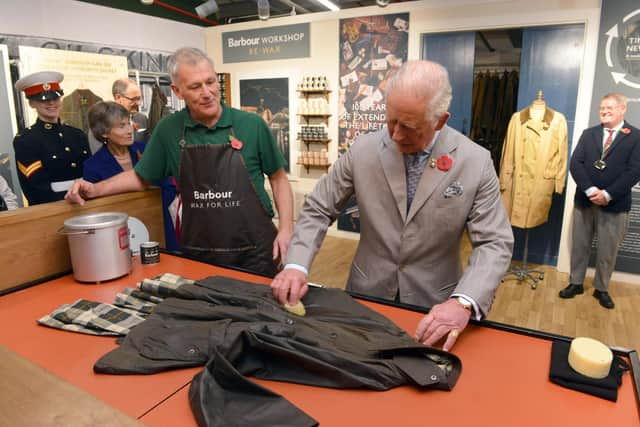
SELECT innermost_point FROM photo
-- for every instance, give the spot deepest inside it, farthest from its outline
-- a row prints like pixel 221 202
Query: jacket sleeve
pixel 631 174
pixel 7 195
pixel 34 178
pixel 577 166
pixel 321 207
pixel 492 241
pixel 563 153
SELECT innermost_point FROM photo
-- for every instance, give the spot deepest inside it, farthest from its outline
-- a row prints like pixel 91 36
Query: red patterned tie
pixel 609 140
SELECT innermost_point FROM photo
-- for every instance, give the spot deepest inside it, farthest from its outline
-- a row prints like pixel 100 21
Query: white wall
pixel 425 16
pixel 75 20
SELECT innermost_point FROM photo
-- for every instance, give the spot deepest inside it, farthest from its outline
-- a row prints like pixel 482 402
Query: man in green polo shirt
pixel 220 155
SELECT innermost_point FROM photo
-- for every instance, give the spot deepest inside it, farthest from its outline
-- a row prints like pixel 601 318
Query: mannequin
pixel 534 163
pixel 538 108
pixel 533 167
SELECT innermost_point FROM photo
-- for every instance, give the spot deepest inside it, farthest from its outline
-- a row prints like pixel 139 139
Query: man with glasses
pixel 127 93
pixel 419 185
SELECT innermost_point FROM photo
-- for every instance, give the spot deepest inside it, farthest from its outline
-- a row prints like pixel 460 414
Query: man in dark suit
pixel 419 185
pixel 605 165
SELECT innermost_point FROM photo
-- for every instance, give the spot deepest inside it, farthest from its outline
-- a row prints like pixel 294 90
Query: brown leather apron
pixel 223 220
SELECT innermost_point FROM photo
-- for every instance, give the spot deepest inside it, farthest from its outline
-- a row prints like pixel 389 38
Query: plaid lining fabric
pixel 131 307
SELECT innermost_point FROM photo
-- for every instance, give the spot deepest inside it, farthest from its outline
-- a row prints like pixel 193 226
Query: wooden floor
pixel 517 304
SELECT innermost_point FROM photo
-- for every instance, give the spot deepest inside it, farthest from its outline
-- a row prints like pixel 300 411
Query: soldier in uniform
pixel 49 154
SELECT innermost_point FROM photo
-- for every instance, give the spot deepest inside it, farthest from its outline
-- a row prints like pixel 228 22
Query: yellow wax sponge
pixel 297 309
pixel 590 357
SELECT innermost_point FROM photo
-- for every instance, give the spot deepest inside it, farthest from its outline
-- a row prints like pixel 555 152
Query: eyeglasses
pixel 134 99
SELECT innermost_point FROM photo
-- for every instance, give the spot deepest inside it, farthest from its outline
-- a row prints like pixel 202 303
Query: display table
pixel 504 380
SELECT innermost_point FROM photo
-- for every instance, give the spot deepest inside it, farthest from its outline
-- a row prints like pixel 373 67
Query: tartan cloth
pixel 135 299
pixel 90 317
pixel 130 308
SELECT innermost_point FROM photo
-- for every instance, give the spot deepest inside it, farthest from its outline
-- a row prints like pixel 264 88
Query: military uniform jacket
pixel 533 166
pixel 620 175
pixel 49 153
pixel 237 328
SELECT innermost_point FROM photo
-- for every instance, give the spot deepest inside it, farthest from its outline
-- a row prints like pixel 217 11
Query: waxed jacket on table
pixel 238 329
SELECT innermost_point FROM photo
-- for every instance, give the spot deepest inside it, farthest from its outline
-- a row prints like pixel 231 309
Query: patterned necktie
pixel 608 142
pixel 414 167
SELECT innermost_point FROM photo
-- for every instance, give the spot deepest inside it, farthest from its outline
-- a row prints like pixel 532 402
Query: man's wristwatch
pixel 465 304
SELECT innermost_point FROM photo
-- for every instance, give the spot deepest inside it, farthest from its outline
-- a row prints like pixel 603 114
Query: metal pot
pixel 99 246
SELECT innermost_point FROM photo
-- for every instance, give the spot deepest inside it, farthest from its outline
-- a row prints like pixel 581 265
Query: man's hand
pixel 598 198
pixel 281 243
pixel 80 191
pixel 448 318
pixel 289 286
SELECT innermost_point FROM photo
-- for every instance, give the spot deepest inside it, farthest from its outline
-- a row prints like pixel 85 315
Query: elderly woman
pixel 111 124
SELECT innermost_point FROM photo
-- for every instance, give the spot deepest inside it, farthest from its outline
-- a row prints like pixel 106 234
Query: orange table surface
pixel 504 380
pixel 71 355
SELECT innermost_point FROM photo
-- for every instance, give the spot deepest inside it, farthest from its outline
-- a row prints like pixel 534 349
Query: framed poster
pixel 372 48
pixel 88 78
pixel 269 98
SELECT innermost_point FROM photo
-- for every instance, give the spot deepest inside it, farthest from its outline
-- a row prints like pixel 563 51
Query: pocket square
pixel 453 190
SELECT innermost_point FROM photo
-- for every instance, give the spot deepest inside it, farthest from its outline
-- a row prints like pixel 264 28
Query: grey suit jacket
pixel 417 252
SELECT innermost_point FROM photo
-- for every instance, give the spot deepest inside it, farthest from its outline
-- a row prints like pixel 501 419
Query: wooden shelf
pixel 315 91
pixel 318 140
pixel 307 166
pixel 309 141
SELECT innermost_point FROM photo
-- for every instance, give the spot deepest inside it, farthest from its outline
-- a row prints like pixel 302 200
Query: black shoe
pixel 571 291
pixel 604 299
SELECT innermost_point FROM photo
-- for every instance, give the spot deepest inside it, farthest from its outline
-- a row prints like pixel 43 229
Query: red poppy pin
pixel 444 162
pixel 626 131
pixel 235 142
pixel 136 126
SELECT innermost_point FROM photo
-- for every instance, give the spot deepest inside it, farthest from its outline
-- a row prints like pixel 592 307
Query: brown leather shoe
pixel 604 299
pixel 571 291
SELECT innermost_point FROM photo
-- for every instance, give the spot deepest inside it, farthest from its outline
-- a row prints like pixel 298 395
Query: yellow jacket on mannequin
pixel 533 166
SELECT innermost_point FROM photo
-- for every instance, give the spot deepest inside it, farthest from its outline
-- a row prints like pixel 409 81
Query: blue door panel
pixel 550 61
pixel 456 52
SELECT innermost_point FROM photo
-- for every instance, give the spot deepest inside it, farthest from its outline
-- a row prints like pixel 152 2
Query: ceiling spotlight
pixel 146 2
pixel 383 3
pixel 263 9
pixel 207 8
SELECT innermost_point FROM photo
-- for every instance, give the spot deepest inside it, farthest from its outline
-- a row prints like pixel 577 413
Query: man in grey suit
pixel 409 248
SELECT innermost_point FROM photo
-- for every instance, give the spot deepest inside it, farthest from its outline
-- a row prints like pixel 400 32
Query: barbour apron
pixel 223 220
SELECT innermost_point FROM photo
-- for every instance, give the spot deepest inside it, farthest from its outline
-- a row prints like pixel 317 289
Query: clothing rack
pixel 150 77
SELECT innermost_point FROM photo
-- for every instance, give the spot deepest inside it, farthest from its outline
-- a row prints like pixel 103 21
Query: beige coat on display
pixel 533 166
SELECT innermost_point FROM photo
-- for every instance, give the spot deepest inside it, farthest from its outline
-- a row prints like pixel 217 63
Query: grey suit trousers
pixel 610 229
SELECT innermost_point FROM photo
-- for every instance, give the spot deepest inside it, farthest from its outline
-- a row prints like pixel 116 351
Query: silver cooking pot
pixel 99 246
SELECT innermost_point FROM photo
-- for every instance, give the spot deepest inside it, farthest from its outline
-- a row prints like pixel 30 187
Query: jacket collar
pixel 525 115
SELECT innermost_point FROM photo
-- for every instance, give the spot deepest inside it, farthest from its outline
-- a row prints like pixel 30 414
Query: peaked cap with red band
pixel 41 86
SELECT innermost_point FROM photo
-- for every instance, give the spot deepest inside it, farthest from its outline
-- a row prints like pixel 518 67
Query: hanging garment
pixel 75 108
pixel 223 220
pixel 158 108
pixel 241 330
pixel 533 166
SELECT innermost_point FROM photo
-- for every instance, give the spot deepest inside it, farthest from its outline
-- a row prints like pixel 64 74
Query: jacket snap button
pixel 192 351
pixel 433 377
pixel 289 322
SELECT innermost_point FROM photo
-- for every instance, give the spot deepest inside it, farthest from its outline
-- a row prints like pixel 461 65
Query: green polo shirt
pixel 261 155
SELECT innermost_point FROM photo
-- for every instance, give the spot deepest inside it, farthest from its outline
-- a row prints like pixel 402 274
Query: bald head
pixel 426 81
